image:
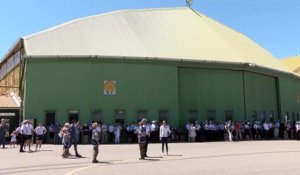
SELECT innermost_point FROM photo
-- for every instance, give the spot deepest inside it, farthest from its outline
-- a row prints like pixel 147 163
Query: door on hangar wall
pixel 261 97
pixel 210 92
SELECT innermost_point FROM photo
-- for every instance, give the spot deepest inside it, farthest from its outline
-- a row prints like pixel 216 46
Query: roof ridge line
pixel 98 15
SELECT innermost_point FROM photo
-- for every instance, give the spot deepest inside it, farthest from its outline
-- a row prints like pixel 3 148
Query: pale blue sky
pixel 273 24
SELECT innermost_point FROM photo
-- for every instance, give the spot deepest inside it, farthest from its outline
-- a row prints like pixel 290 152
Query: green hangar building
pixel 174 64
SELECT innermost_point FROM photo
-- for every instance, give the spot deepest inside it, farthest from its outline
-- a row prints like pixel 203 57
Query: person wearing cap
pixel 95 142
pixel 142 133
pixel 66 140
pixel 164 132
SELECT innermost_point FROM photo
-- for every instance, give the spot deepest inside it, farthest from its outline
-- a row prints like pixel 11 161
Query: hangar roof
pixel 175 33
pixel 293 63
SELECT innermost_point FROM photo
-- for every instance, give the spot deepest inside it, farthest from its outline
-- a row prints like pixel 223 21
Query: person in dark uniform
pixel 3 130
pixel 198 131
pixel 148 129
pixel 142 138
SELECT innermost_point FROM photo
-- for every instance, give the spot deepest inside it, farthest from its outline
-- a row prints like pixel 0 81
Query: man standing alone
pixel 142 138
pixel 95 142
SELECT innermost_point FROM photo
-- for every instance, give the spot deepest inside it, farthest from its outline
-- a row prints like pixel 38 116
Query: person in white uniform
pixel 40 131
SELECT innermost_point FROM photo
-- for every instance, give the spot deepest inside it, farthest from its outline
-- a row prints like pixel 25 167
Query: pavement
pixel 209 158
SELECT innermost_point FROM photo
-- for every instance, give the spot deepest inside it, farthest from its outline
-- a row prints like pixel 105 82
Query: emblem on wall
pixel 109 87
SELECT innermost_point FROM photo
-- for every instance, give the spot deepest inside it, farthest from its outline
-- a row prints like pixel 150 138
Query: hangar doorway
pixel 219 90
pixel 120 117
pixel 261 96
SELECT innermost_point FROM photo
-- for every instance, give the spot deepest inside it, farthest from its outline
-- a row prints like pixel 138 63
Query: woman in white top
pixel 192 133
pixel 164 132
pixel 27 130
pixel 40 130
pixel 228 129
pixel 117 133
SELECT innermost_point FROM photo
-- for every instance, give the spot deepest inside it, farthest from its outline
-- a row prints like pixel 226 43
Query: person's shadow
pixel 175 155
pixel 104 162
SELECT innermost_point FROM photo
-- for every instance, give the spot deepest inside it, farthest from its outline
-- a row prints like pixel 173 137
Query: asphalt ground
pixel 220 158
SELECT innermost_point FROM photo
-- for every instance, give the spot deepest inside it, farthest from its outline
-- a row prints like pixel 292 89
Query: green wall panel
pixel 77 84
pixel 290 97
pixel 64 85
pixel 209 89
pixel 260 96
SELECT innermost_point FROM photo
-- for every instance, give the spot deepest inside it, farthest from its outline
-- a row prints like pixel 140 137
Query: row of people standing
pixel 118 133
pixel 113 133
pixel 242 130
pixel 195 131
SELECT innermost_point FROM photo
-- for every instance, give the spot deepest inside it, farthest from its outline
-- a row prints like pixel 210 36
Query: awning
pixel 8 114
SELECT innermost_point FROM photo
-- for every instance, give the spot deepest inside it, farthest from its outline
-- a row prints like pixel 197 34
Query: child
pixel 13 140
pixel 65 140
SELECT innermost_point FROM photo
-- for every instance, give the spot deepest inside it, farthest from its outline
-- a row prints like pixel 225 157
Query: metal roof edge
pixel 11 50
pixel 161 59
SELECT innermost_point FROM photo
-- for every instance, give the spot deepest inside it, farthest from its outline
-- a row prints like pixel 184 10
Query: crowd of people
pixel 70 135
pixel 145 132
pixel 110 134
pixel 242 130
pixel 22 135
pixel 194 131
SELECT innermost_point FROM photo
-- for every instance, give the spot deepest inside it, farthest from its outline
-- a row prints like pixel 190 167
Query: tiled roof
pixel 8 101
